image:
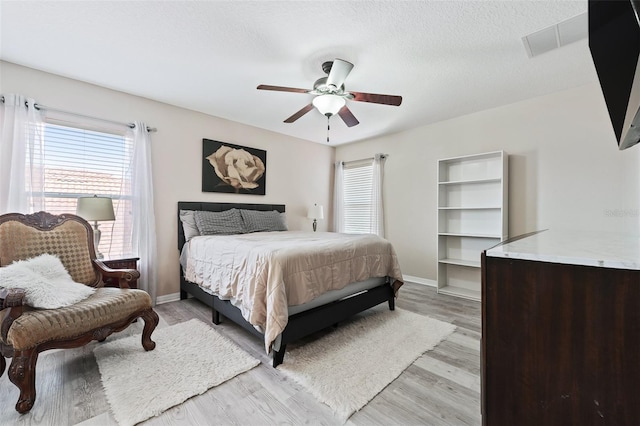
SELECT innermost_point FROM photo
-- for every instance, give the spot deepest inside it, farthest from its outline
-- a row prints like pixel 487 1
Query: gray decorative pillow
pixel 188 219
pixel 259 221
pixel 215 223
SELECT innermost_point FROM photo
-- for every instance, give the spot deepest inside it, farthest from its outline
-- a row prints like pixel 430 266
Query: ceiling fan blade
pixel 376 98
pixel 347 116
pixel 281 89
pixel 339 71
pixel 299 114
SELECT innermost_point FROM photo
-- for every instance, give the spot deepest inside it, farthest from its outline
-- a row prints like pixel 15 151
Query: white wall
pixel 565 171
pixel 299 173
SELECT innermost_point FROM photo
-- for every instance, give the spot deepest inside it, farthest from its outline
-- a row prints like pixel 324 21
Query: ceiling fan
pixel 331 96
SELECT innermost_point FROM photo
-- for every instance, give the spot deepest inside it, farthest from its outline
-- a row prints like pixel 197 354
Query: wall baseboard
pixel 173 297
pixel 418 280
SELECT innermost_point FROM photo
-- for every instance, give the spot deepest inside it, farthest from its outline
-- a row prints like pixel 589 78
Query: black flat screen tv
pixel 614 42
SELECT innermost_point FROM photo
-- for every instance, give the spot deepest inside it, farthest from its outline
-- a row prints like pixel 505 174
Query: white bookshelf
pixel 472 216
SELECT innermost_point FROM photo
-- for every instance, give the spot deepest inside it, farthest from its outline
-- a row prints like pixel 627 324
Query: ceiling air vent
pixel 557 35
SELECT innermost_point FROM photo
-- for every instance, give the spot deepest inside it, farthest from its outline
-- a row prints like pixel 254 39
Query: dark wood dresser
pixel 561 330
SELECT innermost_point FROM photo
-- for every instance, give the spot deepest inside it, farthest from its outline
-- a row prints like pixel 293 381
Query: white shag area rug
pixel 346 368
pixel 189 358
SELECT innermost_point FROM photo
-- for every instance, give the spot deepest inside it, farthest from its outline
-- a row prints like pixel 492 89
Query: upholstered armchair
pixel 25 331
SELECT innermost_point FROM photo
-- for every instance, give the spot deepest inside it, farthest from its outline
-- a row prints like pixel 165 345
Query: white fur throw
pixel 45 281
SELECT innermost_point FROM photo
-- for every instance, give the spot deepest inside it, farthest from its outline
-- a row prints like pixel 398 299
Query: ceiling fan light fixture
pixel 329 104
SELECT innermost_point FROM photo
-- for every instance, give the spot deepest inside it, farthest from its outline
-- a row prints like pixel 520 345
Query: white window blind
pixel 357 197
pixel 79 163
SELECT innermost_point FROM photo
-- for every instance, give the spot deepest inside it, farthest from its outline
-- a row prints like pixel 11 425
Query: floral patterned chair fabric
pixel 26 331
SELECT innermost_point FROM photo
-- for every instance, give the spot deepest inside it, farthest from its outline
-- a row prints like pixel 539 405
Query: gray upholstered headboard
pixel 218 207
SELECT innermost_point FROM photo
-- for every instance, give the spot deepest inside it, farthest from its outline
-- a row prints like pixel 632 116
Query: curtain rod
pixel 119 123
pixel 363 159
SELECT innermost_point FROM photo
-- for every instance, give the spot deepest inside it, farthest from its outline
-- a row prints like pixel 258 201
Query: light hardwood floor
pixel 442 387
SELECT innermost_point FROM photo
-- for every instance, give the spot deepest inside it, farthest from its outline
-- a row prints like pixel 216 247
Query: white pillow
pixel 46 282
pixel 189 224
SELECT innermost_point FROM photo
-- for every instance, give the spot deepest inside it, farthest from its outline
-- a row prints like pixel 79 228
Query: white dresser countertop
pixel 602 249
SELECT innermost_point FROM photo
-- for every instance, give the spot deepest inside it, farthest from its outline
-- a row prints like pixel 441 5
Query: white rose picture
pixel 233 168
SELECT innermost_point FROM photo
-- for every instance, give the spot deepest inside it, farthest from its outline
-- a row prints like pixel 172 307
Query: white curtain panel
pixel 144 223
pixel 377 208
pixel 21 155
pixel 338 198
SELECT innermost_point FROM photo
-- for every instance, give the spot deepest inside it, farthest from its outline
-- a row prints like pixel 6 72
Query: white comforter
pixel 264 272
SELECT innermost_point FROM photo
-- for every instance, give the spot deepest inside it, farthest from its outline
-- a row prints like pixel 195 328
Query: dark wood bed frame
pixel 299 325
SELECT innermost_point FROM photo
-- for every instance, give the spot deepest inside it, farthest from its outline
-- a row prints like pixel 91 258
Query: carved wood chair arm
pixel 124 276
pixel 13 300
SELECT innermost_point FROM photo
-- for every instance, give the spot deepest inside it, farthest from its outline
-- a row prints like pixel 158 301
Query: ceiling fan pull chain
pixel 328 128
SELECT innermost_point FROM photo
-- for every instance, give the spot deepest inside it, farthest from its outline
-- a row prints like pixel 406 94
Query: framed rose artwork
pixel 233 168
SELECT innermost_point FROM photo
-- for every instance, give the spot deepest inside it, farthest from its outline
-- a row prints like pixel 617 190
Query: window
pixel 357 187
pixel 79 162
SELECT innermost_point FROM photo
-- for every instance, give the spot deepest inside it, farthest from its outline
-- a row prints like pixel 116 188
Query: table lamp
pixel 315 212
pixel 94 209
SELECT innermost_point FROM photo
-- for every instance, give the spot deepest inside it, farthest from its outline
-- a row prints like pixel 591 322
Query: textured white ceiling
pixel 445 58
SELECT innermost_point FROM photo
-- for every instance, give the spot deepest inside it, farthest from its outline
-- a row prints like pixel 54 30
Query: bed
pixel 328 298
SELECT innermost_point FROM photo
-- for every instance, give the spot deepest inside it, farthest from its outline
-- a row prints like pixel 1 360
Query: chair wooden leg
pixel 22 373
pixel 392 303
pixel 151 320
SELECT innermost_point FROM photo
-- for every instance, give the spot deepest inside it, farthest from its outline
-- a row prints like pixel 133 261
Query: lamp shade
pixel 95 208
pixel 328 104
pixel 315 212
